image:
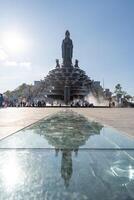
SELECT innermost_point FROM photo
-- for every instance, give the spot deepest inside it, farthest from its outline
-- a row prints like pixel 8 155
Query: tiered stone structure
pixel 67 81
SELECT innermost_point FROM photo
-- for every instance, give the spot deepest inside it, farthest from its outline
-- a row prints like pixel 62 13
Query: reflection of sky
pixel 131 173
pixel 128 173
pixel 102 32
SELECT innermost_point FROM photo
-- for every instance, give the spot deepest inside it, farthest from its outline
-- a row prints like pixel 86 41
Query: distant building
pixel 36 83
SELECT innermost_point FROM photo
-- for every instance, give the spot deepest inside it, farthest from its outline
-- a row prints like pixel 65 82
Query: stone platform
pixel 14 119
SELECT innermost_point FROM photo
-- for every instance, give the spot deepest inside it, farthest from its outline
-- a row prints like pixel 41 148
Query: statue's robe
pixel 67 50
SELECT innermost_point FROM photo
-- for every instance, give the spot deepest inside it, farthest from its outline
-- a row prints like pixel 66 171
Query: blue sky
pixel 102 32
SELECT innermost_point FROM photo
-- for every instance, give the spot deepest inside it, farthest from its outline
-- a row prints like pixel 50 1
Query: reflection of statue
pixel 66 166
pixel 67 49
pixel 67 131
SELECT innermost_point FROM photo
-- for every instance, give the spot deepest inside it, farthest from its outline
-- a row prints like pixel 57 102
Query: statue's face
pixel 67 34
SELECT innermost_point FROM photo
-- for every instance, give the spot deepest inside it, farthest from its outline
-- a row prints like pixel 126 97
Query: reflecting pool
pixel 65 156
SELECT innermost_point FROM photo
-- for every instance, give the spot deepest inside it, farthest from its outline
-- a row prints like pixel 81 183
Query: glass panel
pixel 66 174
pixel 67 130
pixel 70 158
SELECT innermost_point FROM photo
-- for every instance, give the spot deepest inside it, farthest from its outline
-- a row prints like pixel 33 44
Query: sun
pixel 13 41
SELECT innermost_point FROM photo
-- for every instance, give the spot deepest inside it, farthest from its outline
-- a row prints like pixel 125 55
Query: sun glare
pixel 13 41
pixel 11 172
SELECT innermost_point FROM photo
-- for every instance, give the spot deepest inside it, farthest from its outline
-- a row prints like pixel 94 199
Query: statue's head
pixel 67 34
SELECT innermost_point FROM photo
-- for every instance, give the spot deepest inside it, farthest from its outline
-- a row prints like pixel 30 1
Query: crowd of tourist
pixel 42 103
pixel 23 104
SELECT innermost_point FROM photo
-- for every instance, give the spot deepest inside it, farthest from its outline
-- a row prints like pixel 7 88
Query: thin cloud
pixel 5 60
pixel 22 65
pixel 10 63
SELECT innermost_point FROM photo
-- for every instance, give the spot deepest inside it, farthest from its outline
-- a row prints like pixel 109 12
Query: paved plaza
pixel 14 119
pixel 120 118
